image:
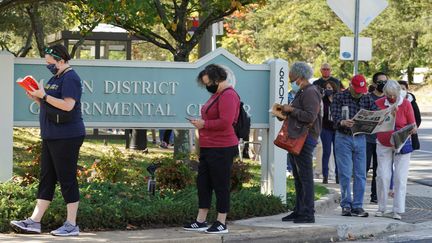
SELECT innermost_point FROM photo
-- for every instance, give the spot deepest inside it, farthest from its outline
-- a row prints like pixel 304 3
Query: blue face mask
pixel 295 87
pixel 53 69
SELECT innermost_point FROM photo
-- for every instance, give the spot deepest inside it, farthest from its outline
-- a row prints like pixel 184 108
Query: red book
pixel 27 82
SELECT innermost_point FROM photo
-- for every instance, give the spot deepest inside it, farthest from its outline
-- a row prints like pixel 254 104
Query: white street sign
pixel 369 9
pixel 347 48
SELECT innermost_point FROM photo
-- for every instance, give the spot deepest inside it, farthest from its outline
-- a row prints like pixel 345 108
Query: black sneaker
pixel 196 226
pixel 217 228
pixel 374 200
pixel 290 217
pixel 359 212
pixel 346 211
pixel 304 219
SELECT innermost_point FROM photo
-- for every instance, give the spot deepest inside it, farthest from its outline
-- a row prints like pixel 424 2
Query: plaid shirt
pixel 344 98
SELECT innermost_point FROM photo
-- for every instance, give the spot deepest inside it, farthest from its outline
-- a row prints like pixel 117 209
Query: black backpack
pixel 243 124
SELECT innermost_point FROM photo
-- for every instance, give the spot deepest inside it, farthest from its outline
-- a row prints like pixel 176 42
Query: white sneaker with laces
pixel 379 214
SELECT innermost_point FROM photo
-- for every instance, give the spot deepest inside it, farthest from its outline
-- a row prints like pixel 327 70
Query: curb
pixel 292 235
pixel 328 202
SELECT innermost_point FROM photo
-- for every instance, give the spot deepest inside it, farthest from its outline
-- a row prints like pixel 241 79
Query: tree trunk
pixel 410 74
pixel 37 26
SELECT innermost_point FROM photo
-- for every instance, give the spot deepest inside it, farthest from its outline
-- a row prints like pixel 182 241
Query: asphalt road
pixel 421 160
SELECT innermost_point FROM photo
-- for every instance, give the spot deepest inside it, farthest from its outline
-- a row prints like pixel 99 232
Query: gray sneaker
pixel 66 230
pixel 26 226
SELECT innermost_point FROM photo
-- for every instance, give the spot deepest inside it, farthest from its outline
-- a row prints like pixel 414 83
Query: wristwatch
pixel 44 98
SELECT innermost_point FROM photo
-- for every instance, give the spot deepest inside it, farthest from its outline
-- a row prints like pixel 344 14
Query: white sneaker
pixel 379 214
pixel 397 216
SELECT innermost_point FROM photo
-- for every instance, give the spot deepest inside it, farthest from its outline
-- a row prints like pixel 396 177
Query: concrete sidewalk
pixel 329 227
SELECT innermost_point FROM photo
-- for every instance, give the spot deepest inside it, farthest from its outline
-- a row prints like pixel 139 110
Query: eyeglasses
pixel 51 52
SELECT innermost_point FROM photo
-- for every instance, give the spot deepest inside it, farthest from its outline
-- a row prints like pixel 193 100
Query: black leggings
pixel 214 173
pixel 59 163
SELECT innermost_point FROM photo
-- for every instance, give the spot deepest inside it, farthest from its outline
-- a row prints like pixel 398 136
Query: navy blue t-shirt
pixel 68 85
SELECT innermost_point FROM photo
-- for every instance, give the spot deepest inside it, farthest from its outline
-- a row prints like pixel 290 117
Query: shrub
pixel 31 169
pixel 111 166
pixel 116 205
pixel 174 175
pixel 240 174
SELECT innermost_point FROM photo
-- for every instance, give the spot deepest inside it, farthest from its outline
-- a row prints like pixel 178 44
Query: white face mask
pixel 403 93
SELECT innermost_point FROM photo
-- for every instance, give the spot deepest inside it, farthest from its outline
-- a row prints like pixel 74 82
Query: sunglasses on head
pixel 51 52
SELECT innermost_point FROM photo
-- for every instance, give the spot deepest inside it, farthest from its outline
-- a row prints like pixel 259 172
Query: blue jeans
pixel 327 139
pixel 351 158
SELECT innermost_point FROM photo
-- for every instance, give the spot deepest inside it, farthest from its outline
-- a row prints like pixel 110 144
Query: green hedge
pixel 119 206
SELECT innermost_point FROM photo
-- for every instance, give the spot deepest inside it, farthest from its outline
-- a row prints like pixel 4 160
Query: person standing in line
pixel 351 150
pixel 218 147
pixel 304 117
pixel 388 158
pixel 61 141
pixel 326 76
pixel 411 98
pixel 328 130
pixel 379 79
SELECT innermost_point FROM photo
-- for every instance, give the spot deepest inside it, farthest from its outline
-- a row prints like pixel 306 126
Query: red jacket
pixel 404 116
pixel 218 128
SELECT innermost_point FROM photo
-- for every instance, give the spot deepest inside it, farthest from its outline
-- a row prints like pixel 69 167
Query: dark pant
pixel 59 163
pixel 303 180
pixel 371 155
pixel 214 173
pixel 167 136
pixel 327 139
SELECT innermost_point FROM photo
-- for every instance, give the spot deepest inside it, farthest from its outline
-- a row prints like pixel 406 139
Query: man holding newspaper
pixel 351 146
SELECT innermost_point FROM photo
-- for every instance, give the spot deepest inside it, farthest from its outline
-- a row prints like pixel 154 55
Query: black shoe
pixel 304 219
pixel 196 226
pixel 346 211
pixel 359 212
pixel 246 156
pixel 217 228
pixel 325 180
pixel 290 217
pixel 337 179
pixel 374 200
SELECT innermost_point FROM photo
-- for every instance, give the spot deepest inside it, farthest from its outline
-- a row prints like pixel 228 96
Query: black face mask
pixel 53 69
pixel 212 88
pixel 328 92
pixel 380 86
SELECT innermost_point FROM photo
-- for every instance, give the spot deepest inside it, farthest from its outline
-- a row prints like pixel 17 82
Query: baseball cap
pixel 358 82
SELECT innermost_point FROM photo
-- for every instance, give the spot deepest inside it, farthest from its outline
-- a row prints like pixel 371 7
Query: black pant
pixel 371 155
pixel 59 163
pixel 303 181
pixel 167 136
pixel 214 173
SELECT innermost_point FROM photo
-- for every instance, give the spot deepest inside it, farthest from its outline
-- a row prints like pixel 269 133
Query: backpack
pixel 243 124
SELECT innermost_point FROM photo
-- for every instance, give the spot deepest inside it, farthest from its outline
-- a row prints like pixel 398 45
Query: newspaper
pixel 371 122
pixel 399 137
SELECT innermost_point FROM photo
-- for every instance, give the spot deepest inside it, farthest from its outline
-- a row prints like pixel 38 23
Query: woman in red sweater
pixel 218 147
pixel 387 156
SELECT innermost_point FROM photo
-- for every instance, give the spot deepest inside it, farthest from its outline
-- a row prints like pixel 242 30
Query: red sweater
pixel 218 131
pixel 404 116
